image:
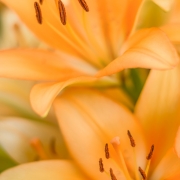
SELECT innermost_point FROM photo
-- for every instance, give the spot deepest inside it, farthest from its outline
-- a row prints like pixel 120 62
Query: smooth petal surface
pixel 164 4
pixel 44 170
pixel 158 109
pixel 177 143
pixel 173 32
pixel 88 121
pixel 43 95
pixel 148 48
pixel 168 167
pixel 16 135
pixel 40 65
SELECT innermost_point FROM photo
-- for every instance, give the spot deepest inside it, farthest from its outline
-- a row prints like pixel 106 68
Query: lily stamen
pixel 131 139
pixel 101 166
pixel 143 174
pixel 41 2
pixel 113 177
pixel 150 153
pixel 107 151
pixel 84 5
pixel 62 12
pixel 38 147
pixel 38 12
pixel 149 157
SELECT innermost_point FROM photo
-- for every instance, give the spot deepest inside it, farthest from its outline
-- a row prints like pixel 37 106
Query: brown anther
pixel 62 12
pixel 41 2
pixel 101 167
pixel 131 139
pixel 113 177
pixel 143 174
pixel 52 145
pixel 38 12
pixel 150 153
pixel 107 151
pixel 84 5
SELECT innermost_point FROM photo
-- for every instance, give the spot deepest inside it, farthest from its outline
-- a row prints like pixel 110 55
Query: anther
pixel 41 2
pixel 62 12
pixel 143 174
pixel 101 167
pixel 53 146
pixel 38 12
pixel 131 139
pixel 150 153
pixel 107 151
pixel 84 5
pixel 113 177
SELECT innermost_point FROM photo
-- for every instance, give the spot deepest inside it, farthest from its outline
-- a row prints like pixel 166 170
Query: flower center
pixel 85 36
pixel 120 160
pixel 42 152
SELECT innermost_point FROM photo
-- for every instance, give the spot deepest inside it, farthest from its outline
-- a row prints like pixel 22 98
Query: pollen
pixel 143 174
pixel 131 139
pixel 101 166
pixel 150 153
pixel 113 177
pixel 84 5
pixel 38 12
pixel 62 12
pixel 107 151
pixel 41 2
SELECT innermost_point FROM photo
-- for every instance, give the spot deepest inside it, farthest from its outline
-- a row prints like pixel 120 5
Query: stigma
pixel 119 159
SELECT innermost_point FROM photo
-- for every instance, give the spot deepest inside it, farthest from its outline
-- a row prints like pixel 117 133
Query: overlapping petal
pixel 158 109
pixel 168 167
pixel 88 120
pixel 148 48
pixel 43 170
pixel 16 135
pixel 164 4
pixel 40 65
pixel 43 95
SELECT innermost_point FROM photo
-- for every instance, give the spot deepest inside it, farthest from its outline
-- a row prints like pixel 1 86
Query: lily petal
pixel 40 65
pixel 177 143
pixel 16 135
pixel 168 167
pixel 158 109
pixel 88 121
pixel 148 48
pixel 43 95
pixel 43 170
pixel 164 4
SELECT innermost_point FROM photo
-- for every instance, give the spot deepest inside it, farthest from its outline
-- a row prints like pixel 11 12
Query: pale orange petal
pixel 148 48
pixel 177 143
pixel 44 170
pixel 16 135
pixel 168 167
pixel 158 109
pixel 41 65
pixel 51 30
pixel 88 120
pixel 164 4
pixel 43 95
pixel 173 32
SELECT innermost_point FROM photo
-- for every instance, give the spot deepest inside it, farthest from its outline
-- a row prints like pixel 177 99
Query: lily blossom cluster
pixel 92 41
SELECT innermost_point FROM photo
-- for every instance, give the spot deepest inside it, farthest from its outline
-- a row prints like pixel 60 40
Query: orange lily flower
pixel 143 145
pixel 24 136
pixel 92 44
